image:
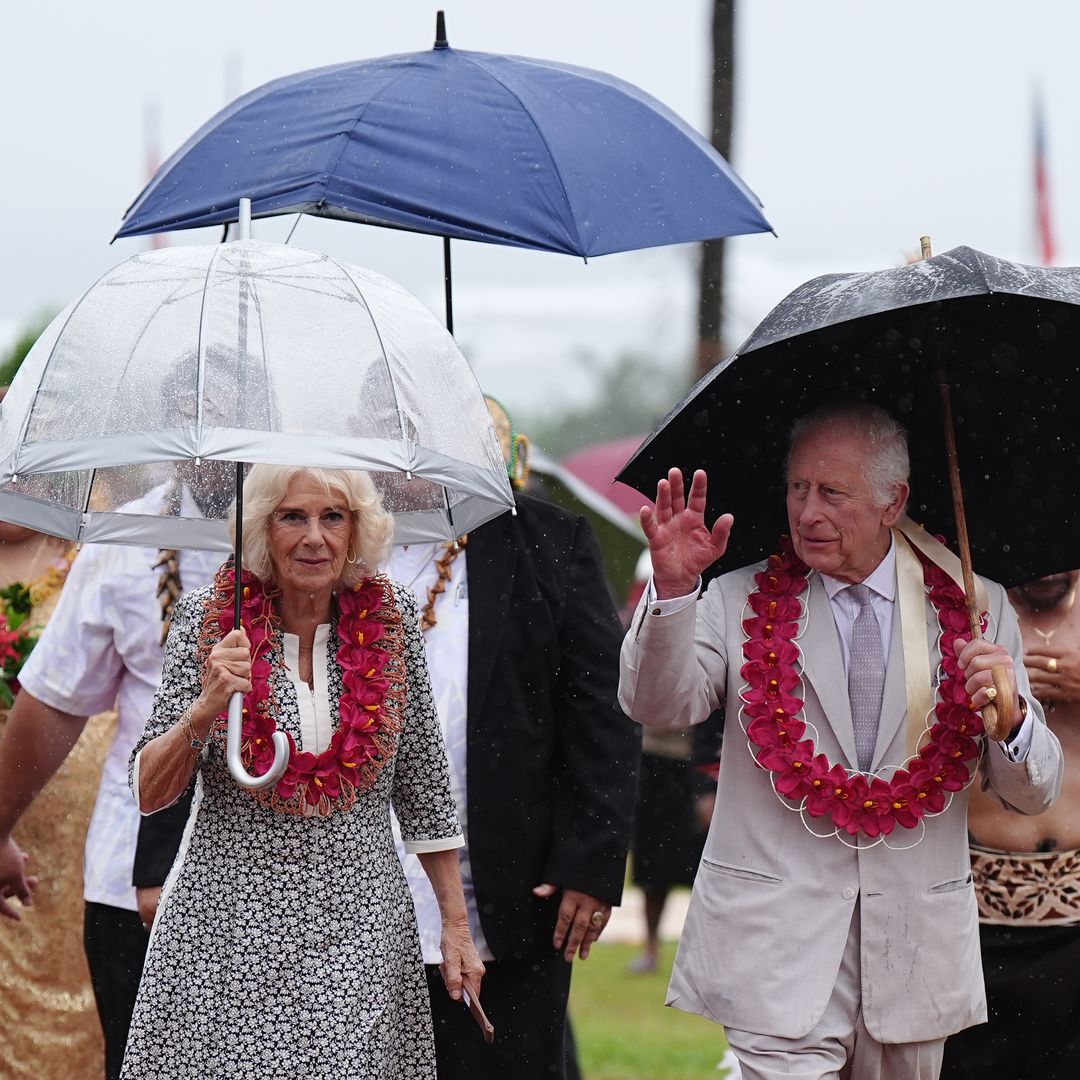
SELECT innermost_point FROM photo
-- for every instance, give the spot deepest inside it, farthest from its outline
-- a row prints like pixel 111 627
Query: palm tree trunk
pixel 711 291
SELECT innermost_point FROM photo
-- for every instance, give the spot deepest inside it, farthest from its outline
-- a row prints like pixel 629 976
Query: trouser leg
pixel 115 944
pixel 838 1047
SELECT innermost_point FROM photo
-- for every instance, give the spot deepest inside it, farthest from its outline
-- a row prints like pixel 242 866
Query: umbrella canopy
pixel 241 352
pixel 597 466
pixel 1006 338
pixel 474 146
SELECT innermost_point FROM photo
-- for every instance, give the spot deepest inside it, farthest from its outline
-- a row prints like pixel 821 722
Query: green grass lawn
pixel 623 1030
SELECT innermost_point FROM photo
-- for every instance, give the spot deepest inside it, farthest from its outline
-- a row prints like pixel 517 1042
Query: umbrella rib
pixel 256 299
pixel 200 352
pixel 86 501
pixel 48 360
pixel 547 147
pixel 378 337
pixel 146 325
pixel 396 76
pixel 657 108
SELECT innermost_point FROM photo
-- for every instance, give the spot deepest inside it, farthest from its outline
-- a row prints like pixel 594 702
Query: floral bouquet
pixel 17 639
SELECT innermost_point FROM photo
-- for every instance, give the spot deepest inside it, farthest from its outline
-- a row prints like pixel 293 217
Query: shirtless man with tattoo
pixel 1027 876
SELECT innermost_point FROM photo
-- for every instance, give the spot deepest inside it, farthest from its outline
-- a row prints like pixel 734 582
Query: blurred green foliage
pixel 632 396
pixel 13 357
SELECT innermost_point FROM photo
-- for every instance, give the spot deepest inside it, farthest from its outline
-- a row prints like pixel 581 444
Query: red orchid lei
pixel 854 802
pixel 371 658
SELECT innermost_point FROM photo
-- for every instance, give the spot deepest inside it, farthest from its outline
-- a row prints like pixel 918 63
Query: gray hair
pixel 886 465
pixel 372 526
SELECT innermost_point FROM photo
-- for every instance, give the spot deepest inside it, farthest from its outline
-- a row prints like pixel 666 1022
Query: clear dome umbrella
pixel 140 403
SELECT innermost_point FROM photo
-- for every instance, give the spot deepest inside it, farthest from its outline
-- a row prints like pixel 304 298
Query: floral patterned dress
pixel 286 946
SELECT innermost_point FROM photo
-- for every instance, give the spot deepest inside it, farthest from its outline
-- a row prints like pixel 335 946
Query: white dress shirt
pixel 101 648
pixel 317 724
pixel 447 648
pixel 881 582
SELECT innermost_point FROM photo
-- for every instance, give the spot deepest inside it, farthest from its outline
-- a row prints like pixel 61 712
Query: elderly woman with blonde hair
pixel 286 943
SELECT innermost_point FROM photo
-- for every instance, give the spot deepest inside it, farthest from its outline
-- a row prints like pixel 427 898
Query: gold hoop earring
pixel 350 560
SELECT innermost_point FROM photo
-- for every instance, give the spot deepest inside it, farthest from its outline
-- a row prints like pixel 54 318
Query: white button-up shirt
pixel 101 648
pixel 447 648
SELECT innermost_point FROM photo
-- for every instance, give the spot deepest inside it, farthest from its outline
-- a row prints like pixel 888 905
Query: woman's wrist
pixel 198 719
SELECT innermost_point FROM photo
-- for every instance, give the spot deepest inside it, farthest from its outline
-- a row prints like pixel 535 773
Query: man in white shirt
pixel 522 644
pixel 833 927
pixel 101 647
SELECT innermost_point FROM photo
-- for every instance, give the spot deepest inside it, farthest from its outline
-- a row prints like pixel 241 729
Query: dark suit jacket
pixel 552 760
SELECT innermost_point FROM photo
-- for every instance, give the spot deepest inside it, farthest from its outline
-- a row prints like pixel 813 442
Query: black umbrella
pixel 1003 337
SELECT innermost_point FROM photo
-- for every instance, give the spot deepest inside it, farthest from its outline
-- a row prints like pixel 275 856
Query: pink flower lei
pixel 371 658
pixel 854 802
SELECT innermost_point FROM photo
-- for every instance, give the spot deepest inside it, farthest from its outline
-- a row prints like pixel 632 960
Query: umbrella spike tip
pixel 440 31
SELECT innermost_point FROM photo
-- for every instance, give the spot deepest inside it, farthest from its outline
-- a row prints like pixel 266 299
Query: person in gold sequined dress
pixel 48 1020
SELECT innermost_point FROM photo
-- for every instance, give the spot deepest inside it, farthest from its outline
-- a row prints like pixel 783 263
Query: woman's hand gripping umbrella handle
pixel 236 761
pixel 235 730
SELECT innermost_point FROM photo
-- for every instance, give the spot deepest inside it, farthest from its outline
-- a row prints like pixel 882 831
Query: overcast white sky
pixel 860 125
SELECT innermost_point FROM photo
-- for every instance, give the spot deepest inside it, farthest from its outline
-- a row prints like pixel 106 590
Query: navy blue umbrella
pixel 468 145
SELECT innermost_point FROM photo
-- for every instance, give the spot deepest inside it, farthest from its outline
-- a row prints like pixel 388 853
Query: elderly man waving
pixel 833 925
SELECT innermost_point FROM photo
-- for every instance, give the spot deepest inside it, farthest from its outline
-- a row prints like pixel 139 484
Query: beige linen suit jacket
pixel 772 904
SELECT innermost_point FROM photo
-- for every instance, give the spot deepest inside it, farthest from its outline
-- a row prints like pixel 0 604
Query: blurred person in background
pixel 48 1021
pixel 1027 876
pixel 102 648
pixel 522 639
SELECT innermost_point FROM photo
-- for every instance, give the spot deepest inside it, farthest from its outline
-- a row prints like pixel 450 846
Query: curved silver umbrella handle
pixel 232 751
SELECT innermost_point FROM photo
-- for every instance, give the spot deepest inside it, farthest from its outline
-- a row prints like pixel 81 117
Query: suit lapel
pixel 491 556
pixel 823 668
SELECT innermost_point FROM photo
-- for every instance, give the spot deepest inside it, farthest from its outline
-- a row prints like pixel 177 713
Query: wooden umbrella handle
pixel 999 717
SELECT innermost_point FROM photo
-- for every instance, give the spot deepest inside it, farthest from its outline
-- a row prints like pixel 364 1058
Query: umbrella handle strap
pixel 236 762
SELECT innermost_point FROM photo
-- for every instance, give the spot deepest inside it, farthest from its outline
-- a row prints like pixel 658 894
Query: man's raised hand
pixel 680 543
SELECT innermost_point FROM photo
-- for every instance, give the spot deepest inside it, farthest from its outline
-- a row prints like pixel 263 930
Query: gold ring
pixel 991 693
pixel 597 919
pixel 1051 665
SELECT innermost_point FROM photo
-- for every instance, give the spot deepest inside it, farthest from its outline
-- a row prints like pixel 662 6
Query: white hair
pixel 372 526
pixel 886 465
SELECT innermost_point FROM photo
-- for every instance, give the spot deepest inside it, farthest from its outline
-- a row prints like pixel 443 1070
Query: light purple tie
pixel 866 676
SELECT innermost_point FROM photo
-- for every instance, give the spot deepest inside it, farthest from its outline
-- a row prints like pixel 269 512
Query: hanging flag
pixel 1043 225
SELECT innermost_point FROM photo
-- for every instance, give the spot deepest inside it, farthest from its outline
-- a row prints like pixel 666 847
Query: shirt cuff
pixel 442 843
pixel 672 603
pixel 1017 749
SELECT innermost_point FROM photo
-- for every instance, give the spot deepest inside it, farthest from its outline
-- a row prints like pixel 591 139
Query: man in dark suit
pixel 523 642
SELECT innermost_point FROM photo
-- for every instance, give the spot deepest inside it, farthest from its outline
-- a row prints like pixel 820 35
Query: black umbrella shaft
pixel 449 284
pixel 238 553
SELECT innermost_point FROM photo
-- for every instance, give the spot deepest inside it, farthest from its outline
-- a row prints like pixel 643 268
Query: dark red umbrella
pixel 597 465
